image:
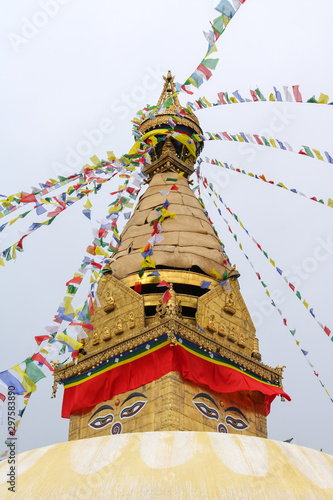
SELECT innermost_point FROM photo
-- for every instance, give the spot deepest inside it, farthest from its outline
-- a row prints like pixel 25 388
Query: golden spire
pixel 169 90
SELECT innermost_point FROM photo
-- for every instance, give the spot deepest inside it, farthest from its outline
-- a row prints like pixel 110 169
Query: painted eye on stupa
pixel 239 422
pixel 101 422
pixel 236 423
pixel 98 421
pixel 206 410
pixel 130 411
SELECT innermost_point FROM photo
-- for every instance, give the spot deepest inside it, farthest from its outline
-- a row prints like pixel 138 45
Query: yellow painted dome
pixel 171 465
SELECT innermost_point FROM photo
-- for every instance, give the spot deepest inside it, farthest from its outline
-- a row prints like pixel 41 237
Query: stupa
pixel 172 363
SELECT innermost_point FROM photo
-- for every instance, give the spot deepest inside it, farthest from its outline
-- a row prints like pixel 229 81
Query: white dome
pixel 171 465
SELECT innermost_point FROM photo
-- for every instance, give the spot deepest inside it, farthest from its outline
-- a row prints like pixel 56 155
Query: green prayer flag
pixel 210 63
pixel 292 332
pixel 171 179
pixel 308 151
pixel 63 349
pixel 313 99
pixel 225 275
pixel 261 97
pixel 218 25
pixel 298 295
pixel 32 371
pixel 266 142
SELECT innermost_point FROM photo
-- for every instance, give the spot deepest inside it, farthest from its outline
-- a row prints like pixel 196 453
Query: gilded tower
pixel 173 345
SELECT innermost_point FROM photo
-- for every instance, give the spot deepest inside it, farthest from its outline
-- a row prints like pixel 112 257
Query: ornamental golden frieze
pixel 170 327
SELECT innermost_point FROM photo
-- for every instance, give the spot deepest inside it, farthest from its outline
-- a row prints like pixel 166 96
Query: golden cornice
pixel 160 119
pixel 171 327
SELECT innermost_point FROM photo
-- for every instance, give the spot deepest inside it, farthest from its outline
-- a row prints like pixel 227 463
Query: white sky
pixel 93 65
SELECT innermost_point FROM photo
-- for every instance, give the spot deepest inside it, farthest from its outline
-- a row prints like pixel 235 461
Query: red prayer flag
pixel 88 326
pixel 220 95
pixel 285 321
pixel 297 94
pixel 41 359
pixel 292 287
pixel 28 198
pixel 138 287
pixel 40 338
pixel 166 296
pixel 77 279
pixel 327 331
pixel 254 95
pixel 300 152
pixel 174 188
pixel 257 138
pixel 164 283
pixel 2 397
pixel 205 71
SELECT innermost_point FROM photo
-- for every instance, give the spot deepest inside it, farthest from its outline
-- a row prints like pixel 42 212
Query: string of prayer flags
pixel 284 320
pixel 262 141
pixel 227 10
pixel 257 95
pixel 326 330
pixel 263 179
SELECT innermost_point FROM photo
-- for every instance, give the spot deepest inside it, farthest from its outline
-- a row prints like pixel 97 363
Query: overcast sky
pixel 74 73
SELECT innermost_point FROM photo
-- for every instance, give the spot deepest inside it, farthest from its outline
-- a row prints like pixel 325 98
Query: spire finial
pixel 169 90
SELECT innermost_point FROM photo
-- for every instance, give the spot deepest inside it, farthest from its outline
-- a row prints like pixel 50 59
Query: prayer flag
pixel 297 94
pixel 40 338
pixel 205 284
pixel 166 296
pixel 10 380
pixel 138 287
pixel 163 283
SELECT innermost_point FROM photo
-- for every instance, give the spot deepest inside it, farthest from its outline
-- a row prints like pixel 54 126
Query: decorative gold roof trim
pixel 170 327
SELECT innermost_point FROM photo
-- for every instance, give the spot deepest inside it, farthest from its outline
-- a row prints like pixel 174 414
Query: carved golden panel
pixel 121 313
pixel 224 314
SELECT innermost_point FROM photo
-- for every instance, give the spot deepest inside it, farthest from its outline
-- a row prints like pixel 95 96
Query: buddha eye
pixel 222 428
pixel 236 423
pixel 207 411
pixel 101 422
pixel 130 411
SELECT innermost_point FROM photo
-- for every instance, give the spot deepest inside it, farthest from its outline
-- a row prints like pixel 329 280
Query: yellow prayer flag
pixel 273 142
pixel 267 293
pixel 271 97
pixel 27 383
pixel 226 20
pixel 216 274
pixel 305 304
pixel 234 100
pixel 206 102
pixel 87 205
pixel 181 174
pixel 297 342
pixel 95 160
pixel 2 262
pixel 240 138
pixel 14 220
pixel 101 251
pixel 213 49
pixel 323 99
pixel 14 251
pixel 272 262
pixel 318 154
pixel 66 339
pixel 330 202
pixel 111 155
